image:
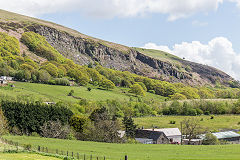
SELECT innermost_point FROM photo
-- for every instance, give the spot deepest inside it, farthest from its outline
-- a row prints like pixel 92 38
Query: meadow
pixel 136 151
pixel 25 156
pixel 57 93
pixel 219 122
pixel 20 156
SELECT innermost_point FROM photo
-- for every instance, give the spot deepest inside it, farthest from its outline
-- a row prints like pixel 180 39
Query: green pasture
pixel 136 151
pixel 219 122
pixel 59 93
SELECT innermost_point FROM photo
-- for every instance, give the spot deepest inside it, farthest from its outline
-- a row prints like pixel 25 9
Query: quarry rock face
pixel 84 50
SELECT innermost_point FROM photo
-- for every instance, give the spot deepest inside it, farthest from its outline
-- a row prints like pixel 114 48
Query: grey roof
pixel 168 131
pixel 223 135
pixel 227 134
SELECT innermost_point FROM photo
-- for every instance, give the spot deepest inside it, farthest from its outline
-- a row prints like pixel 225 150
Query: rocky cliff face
pixel 83 51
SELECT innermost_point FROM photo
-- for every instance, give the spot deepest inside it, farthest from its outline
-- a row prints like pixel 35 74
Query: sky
pixel 203 31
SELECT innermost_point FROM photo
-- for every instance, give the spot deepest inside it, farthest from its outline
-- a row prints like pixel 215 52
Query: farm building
pixel 226 136
pixel 173 134
pixel 4 80
pixel 151 137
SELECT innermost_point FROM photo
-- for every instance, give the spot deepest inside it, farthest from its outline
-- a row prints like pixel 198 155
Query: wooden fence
pixel 67 155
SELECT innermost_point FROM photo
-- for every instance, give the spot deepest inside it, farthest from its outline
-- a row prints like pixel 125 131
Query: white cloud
pixel 175 9
pixel 218 53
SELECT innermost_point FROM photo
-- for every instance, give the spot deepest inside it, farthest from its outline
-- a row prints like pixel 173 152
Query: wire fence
pixel 67 155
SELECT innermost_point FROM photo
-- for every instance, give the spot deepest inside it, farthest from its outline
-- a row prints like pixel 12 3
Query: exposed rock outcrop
pixel 84 51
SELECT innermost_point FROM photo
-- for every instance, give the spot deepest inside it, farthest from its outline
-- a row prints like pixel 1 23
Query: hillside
pixel 83 50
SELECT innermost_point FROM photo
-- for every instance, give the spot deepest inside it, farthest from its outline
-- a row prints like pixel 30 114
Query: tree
pixel 44 76
pixel 178 96
pixel 78 122
pixel 191 128
pixel 51 69
pixel 107 84
pixel 3 123
pixel 55 129
pixel 210 139
pixel 137 89
pixel 130 127
pixel 99 114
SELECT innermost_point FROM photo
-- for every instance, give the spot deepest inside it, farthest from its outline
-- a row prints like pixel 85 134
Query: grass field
pixel 219 122
pixel 157 54
pixel 137 151
pixel 59 93
pixel 20 156
pixel 24 156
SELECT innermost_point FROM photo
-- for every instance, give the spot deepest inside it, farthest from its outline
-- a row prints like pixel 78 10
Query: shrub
pixel 172 122
pixel 137 89
pixel 210 139
pixel 151 91
pixel 71 93
pixel 89 89
pixel 27 147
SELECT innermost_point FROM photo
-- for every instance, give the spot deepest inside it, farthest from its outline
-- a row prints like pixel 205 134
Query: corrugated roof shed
pixel 227 134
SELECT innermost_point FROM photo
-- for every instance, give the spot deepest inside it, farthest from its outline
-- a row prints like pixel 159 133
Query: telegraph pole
pixel 181 134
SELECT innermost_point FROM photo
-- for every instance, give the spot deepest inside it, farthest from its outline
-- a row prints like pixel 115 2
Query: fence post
pixel 39 149
pixel 77 155
pixel 67 153
pixel 84 157
pixel 126 157
pixel 56 151
pixel 104 158
pixel 17 146
pixel 91 157
pixel 97 158
pixel 46 149
pixel 72 154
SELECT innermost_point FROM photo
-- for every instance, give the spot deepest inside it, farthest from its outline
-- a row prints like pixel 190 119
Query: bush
pixel 151 91
pixel 172 122
pixel 27 147
pixel 35 134
pixel 71 93
pixel 210 139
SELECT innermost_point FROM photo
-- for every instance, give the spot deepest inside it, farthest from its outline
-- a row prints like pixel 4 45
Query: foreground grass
pixel 59 93
pixel 137 151
pixel 25 156
pixel 217 123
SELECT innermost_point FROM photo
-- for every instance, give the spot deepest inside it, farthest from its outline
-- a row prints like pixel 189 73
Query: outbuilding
pixel 151 137
pixel 173 134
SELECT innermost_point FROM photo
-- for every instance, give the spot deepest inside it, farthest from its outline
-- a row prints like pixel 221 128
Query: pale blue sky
pixel 137 31
pixel 203 31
